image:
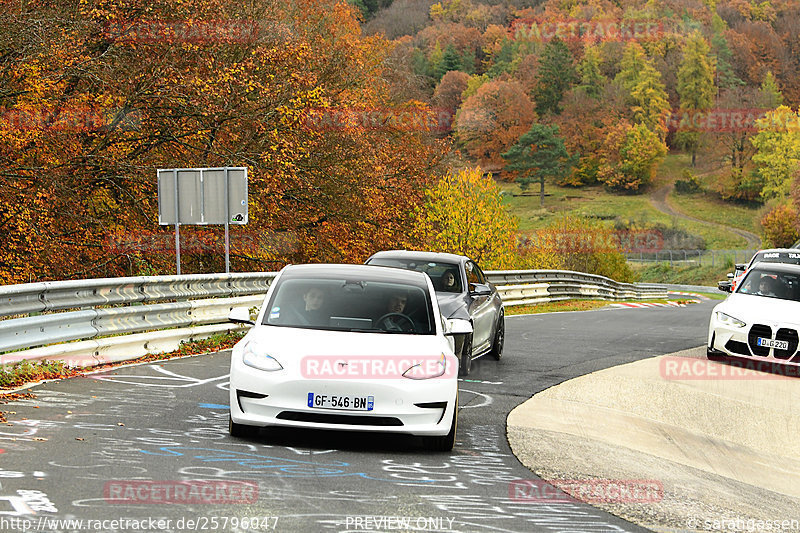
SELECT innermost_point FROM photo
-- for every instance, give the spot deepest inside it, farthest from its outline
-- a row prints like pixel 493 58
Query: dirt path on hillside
pixel 658 198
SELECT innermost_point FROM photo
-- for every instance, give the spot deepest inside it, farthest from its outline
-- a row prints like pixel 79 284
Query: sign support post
pixel 227 222
pixel 177 225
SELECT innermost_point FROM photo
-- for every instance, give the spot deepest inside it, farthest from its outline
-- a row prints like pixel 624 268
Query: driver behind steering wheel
pixel 394 318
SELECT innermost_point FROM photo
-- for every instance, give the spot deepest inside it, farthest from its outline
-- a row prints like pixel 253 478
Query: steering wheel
pixel 392 326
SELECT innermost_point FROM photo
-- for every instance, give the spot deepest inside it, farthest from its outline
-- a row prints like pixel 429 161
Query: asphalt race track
pixel 85 453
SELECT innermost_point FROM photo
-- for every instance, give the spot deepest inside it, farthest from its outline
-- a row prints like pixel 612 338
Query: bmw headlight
pixel 728 320
pixel 430 367
pixel 255 355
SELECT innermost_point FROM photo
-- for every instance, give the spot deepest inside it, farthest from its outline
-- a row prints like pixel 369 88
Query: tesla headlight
pixel 728 320
pixel 255 355
pixel 430 367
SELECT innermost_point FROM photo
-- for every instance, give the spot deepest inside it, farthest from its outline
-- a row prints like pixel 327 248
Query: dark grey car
pixel 462 291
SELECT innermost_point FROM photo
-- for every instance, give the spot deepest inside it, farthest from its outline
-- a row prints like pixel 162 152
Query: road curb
pixel 720 448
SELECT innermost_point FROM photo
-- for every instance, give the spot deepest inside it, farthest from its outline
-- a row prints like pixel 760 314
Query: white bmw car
pixel 348 347
pixel 761 319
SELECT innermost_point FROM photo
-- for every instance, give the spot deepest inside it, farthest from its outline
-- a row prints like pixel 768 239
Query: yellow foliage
pixel 464 214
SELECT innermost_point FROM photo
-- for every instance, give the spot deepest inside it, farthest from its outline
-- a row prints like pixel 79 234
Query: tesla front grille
pixel 759 330
pixel 790 336
pixel 737 347
pixel 350 420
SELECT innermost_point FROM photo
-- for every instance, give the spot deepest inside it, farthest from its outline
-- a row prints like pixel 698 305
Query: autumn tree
pixel 556 76
pixel 448 93
pixel 630 157
pixel 731 144
pixel 726 76
pixel 695 85
pixel 777 155
pixel 464 214
pixel 490 121
pixel 633 61
pixel 539 154
pixel 650 101
pixel 592 79
pixel 771 96
pixel 109 93
pixel 780 226
pixel 584 125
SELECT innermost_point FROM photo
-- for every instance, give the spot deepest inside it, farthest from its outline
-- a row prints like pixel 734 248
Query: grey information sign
pixel 200 196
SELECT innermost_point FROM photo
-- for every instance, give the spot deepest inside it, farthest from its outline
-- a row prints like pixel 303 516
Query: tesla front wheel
pixel 445 443
pixel 239 430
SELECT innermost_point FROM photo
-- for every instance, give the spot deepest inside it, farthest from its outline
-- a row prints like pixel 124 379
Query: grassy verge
pixel 576 305
pixel 682 275
pixel 24 372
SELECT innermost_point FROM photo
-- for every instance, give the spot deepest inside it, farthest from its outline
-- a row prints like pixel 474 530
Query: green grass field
pixel 597 203
pixel 710 208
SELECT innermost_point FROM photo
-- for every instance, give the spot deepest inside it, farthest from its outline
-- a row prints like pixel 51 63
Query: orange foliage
pixel 99 95
pixel 493 119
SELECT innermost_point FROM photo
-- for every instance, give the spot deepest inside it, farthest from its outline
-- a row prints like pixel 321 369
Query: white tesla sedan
pixel 761 319
pixel 348 347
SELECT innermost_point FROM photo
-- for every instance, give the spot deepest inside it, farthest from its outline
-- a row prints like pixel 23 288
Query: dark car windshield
pixel 771 284
pixel 351 305
pixel 438 272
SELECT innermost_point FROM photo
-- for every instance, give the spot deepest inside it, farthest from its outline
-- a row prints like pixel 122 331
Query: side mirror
pixel 730 275
pixel 724 286
pixel 479 289
pixel 457 326
pixel 240 315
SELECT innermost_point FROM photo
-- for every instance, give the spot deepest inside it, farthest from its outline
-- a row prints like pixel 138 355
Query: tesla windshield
pixel 351 305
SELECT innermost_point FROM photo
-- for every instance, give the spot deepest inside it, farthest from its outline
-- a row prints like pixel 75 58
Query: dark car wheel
pixel 499 337
pixel 240 430
pixel 465 361
pixel 445 443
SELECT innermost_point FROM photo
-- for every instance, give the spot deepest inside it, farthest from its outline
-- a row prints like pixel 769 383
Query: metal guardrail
pixel 108 317
pixel 60 295
pixel 523 287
